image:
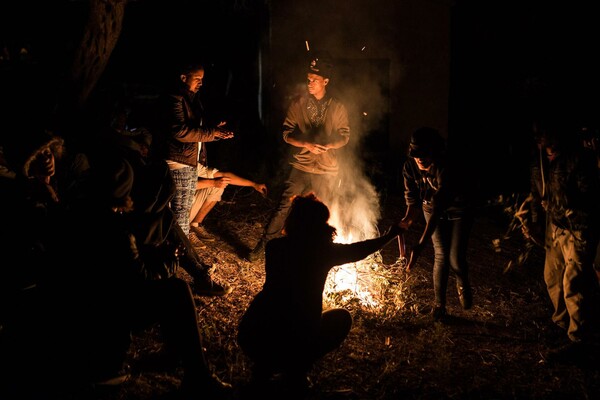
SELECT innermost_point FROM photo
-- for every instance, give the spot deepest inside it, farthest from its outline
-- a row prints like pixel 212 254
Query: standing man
pixel 317 125
pixel 565 184
pixel 183 134
pixel 180 141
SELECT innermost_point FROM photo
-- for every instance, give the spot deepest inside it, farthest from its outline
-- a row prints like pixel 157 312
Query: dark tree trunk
pixel 99 37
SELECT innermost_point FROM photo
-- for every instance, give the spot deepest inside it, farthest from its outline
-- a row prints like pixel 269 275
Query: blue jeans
pixel 185 190
pixel 450 242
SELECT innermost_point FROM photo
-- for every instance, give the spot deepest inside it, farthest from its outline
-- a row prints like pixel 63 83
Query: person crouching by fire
pixel 285 331
pixel 434 188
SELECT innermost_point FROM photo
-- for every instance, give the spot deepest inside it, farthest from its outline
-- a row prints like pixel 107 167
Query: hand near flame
pixel 415 253
pixel 221 132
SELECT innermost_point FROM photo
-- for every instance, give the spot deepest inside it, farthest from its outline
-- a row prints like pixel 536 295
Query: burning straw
pixel 369 286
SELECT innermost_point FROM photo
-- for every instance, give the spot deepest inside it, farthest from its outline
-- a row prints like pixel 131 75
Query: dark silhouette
pixel 285 330
pixel 122 293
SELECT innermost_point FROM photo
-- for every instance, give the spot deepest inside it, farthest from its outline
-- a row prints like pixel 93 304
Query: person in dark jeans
pixel 434 188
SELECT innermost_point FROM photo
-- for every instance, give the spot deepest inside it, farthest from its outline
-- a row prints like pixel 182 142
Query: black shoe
pixel 439 314
pixel 465 296
pixel 257 252
pixel 205 286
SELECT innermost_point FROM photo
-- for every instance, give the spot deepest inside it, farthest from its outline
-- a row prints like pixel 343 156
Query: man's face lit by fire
pixel 316 85
pixel 193 80
pixel 424 163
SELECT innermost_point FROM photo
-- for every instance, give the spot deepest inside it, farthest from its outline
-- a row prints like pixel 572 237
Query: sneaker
pixel 207 287
pixel 439 314
pixel 257 252
pixel 202 233
pixel 197 243
pixel 465 296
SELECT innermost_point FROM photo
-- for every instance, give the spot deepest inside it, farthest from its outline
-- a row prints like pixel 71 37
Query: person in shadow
pixel 285 331
pixel 153 221
pixel 35 188
pixel 119 293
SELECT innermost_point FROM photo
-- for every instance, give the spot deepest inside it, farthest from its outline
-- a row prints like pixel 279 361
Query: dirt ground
pixel 496 350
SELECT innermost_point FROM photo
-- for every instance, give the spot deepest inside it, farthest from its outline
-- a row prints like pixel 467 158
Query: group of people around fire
pixel 121 217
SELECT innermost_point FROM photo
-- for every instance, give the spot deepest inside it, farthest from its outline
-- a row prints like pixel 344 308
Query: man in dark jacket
pixel 181 142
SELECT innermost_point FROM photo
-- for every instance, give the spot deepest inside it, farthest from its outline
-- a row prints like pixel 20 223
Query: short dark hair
pixel 189 67
pixel 308 219
pixel 426 142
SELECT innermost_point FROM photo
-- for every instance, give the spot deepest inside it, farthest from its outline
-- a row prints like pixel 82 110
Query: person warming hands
pixel 285 330
pixel 435 188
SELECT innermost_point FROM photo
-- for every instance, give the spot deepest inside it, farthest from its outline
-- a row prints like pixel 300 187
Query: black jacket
pixel 182 126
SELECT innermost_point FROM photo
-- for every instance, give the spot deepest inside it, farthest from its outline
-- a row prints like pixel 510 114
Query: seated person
pixel 209 189
pixel 153 222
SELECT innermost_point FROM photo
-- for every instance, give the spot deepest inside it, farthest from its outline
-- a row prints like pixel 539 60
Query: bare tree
pixel 100 36
pixel 98 40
